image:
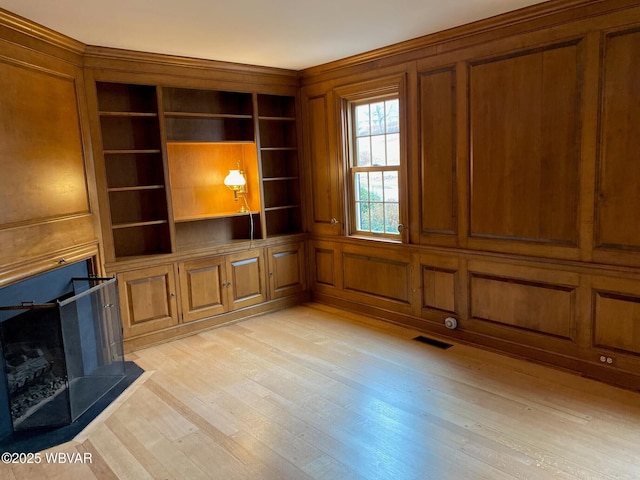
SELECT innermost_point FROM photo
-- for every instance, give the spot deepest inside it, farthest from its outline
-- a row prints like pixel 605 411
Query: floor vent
pixel 433 342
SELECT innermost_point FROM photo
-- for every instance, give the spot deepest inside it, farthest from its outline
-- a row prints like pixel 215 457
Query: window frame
pixel 354 169
pixel 348 98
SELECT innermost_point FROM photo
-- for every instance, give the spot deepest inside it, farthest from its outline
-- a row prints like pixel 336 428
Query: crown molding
pixel 34 30
pixel 95 54
pixel 435 41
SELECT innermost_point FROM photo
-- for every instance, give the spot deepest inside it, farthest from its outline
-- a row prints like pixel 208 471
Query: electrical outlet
pixel 605 359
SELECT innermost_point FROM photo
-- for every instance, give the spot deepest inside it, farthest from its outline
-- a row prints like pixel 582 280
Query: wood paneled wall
pixel 48 206
pixel 524 189
pixel 521 177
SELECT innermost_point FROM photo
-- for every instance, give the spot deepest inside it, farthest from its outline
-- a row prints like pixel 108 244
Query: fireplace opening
pixel 35 369
pixel 62 356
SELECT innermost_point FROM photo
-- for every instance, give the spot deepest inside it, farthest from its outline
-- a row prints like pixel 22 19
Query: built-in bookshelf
pixel 132 150
pixel 280 164
pixel 167 151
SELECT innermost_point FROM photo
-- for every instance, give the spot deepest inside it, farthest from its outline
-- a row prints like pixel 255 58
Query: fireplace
pixel 59 356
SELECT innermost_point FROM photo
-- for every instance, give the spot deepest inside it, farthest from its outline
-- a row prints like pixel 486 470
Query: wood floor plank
pixel 340 444
pixel 138 449
pixel 371 433
pixel 313 392
pixel 60 471
pixel 26 471
pixel 116 455
pixel 523 397
pixel 162 451
pixel 163 417
pixel 199 401
pixel 249 456
pixel 541 409
pixel 212 459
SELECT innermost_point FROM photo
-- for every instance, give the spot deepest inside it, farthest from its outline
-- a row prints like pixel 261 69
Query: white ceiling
pixel 292 34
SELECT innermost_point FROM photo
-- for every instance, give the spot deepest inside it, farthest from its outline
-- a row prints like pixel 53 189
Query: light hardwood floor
pixel 314 392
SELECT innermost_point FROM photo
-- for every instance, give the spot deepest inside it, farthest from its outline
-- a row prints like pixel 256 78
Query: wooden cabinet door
pixel 323 173
pixel 286 270
pixel 201 288
pixel 245 281
pixel 148 300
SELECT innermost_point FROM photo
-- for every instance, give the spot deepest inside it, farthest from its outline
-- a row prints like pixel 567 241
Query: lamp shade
pixel 235 179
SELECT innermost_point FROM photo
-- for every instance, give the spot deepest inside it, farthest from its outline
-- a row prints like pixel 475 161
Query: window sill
pixel 370 238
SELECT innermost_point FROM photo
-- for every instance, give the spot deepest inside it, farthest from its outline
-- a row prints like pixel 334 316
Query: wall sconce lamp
pixel 238 184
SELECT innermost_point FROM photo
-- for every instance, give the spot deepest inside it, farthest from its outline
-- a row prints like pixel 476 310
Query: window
pixel 374 166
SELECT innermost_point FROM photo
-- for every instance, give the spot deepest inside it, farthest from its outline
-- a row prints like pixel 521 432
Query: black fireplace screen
pixel 61 357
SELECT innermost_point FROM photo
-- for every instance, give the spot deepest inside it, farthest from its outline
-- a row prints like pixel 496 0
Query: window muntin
pixel 374 166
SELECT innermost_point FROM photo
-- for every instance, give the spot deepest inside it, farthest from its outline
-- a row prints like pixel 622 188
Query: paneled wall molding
pixel 617 223
pixel 616 315
pixel 565 312
pixel 439 147
pixel 534 300
pixel 438 251
pixel 524 112
pixel 391 280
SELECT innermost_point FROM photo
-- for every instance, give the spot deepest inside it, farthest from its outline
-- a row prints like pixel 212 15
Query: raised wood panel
pixel 380 276
pixel 544 308
pixel 286 270
pixel 148 300
pixel 438 191
pixel 47 195
pixel 616 321
pixel 325 267
pixel 322 172
pixel 618 195
pixel 246 275
pixel 201 288
pixel 438 289
pixel 41 151
pixel 320 166
pixel 524 112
